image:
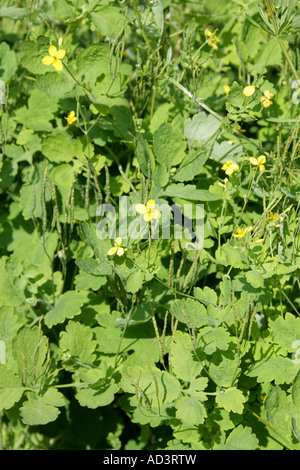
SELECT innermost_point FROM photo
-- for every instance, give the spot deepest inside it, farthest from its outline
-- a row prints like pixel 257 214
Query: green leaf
pixel 184 363
pixel 57 147
pixel 11 388
pixel 78 341
pixel 10 295
pixel 152 385
pixel 144 155
pixel 57 84
pixel 223 367
pixel 231 399
pixel 86 281
pixel 279 411
pixel 241 438
pixel 92 266
pixel 296 391
pixel 29 349
pixel 190 411
pixel 13 12
pixel 285 331
pixel 109 337
pixel 41 409
pixel 200 128
pixel 206 295
pixel 296 402
pixel 189 311
pixel 68 305
pixel 169 145
pixel 107 19
pixel 280 369
pixel 33 115
pixel 97 395
pixel 191 165
pixel 212 338
pixel 93 61
pixel 99 247
pixel 135 281
pixel 8 61
pixel 32 54
pixel 255 278
pixel 189 192
pixel 270 53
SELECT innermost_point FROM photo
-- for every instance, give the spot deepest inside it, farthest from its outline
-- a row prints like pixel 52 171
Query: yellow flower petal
pixel 112 250
pixel 141 209
pixel 150 204
pixel 268 94
pixel 118 241
pixel 253 161
pixel 71 118
pixel 52 51
pixel 249 90
pixel 155 214
pixel 57 64
pixel 208 32
pixel 266 102
pixel 61 54
pixel 261 159
pixel 262 168
pixel 241 232
pixel 147 217
pixel 120 251
pixel 213 45
pixel 229 167
pixel 227 89
pixel 227 164
pixel 48 60
pixel 273 216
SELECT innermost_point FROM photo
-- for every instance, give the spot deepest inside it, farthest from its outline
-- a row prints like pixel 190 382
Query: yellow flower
pixel 249 90
pixel 266 100
pixel 272 216
pixel 241 232
pixel 71 118
pixel 227 89
pixel 239 129
pixel 148 211
pixel 229 167
pixel 213 39
pixel 260 161
pixel 55 57
pixel 117 248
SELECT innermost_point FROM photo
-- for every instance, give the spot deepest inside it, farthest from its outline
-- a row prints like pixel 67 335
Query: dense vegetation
pixel 143 343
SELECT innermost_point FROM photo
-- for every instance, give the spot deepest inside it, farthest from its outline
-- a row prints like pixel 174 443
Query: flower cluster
pixel 212 39
pixel 148 212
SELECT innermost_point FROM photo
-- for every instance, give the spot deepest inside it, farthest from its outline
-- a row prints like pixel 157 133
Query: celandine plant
pixel 149 236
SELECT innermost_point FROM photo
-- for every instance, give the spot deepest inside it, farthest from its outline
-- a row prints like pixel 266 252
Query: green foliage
pixel 155 346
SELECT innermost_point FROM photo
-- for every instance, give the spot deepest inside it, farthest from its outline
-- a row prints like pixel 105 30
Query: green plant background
pixel 161 348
